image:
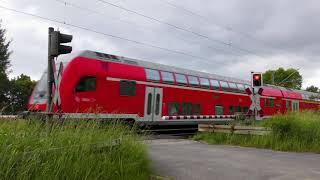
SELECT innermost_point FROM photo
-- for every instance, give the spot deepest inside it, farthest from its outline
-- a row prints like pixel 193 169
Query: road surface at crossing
pixel 186 159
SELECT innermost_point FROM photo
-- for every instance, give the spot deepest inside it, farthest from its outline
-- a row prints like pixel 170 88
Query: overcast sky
pixel 270 34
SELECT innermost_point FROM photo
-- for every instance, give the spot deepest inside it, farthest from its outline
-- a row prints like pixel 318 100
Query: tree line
pixel 15 92
pixel 289 78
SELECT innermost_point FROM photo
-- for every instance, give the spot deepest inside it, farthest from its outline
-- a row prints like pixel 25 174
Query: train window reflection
pixel 193 81
pixel 187 109
pixel 219 110
pixel 167 77
pixel 204 82
pixel 233 86
pixel 152 75
pixel 127 88
pixel 224 85
pixel 157 104
pixel 241 87
pixel 86 84
pixel 215 84
pixel 173 109
pixel 181 79
pixel 196 109
pixel 149 104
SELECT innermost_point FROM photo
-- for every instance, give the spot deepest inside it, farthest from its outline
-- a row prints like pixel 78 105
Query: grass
pixel 299 132
pixel 74 150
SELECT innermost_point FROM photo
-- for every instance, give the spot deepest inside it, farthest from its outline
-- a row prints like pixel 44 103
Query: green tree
pixel 20 90
pixel 289 78
pixel 4 66
pixel 312 89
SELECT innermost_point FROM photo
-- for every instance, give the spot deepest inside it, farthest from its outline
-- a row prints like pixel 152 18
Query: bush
pixel 75 150
pixel 290 132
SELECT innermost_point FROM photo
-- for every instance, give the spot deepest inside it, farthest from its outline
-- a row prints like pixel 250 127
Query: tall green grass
pixel 74 150
pixel 298 132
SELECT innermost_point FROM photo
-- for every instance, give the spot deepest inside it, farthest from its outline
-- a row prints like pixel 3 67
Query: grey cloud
pixel 287 30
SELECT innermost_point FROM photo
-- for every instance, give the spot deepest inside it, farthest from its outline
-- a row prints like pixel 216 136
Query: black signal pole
pixel 50 72
pixel 56 47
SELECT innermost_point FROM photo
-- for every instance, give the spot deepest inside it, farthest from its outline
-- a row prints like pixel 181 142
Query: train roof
pixel 120 59
pixel 146 64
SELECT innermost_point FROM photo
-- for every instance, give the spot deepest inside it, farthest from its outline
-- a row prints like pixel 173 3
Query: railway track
pixel 169 132
pixel 9 116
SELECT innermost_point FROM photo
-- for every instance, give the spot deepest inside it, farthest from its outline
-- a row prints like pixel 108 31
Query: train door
pixel 153 104
pixel 295 106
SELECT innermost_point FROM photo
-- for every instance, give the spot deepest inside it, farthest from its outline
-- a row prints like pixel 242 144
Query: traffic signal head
pixel 256 79
pixel 56 41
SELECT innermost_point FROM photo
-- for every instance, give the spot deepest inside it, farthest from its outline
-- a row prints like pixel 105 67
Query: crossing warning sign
pixel 255 107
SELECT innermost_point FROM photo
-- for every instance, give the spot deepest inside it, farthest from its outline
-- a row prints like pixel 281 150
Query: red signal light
pixel 256 77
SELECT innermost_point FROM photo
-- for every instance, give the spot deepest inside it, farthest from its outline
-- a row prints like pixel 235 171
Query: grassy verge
pixel 75 150
pixel 298 132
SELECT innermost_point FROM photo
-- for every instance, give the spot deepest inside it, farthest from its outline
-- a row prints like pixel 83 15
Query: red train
pixel 95 84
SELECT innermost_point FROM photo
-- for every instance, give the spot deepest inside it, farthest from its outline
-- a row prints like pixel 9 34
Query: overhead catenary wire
pixel 202 59
pixel 284 80
pixel 180 28
pixel 227 28
pixel 76 6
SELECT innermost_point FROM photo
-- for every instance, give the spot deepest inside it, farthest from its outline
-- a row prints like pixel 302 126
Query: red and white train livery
pixel 95 84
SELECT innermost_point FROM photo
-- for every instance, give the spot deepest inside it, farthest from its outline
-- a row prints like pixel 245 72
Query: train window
pixel 181 79
pixel 231 110
pixel 86 84
pixel 193 81
pixel 173 108
pixel 215 84
pixel 130 62
pixel 237 109
pixel 219 110
pixel 241 87
pixel 295 106
pixel 187 109
pixel 269 102
pixel 167 77
pixel 245 109
pixel 149 104
pixel 99 54
pixel 41 88
pixel 287 104
pixel 233 86
pixel 224 85
pixel 127 88
pixel 152 75
pixel 108 56
pixel 204 82
pixel 196 109
pixel 157 104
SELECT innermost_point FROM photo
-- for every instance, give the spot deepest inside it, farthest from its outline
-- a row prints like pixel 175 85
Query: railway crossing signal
pixel 55 48
pixel 257 80
pixel 256 83
pixel 255 107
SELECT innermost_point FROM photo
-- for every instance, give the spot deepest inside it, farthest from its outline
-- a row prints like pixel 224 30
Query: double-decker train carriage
pixel 95 84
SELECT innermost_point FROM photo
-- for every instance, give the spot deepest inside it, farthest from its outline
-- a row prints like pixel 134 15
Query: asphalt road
pixel 185 159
